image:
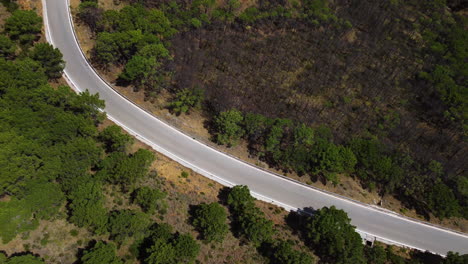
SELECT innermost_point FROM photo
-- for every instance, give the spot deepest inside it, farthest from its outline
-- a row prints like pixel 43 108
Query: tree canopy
pixel 210 220
pixel 23 25
pixel 333 237
pixel 99 253
pixel 50 59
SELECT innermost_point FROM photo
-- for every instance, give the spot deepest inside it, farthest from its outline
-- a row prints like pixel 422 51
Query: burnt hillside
pixel 355 80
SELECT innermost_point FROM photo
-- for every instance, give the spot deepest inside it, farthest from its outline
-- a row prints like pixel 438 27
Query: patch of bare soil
pixel 193 124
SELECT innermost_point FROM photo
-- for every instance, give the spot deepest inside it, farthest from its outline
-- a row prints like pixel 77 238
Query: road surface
pixel 372 223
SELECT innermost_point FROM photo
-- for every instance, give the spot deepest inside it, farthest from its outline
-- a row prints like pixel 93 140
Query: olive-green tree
pixel 210 220
pixel 334 238
pixel 150 200
pixel 23 25
pixel 228 127
pixel 115 139
pixel 7 47
pixel 50 59
pixel 101 253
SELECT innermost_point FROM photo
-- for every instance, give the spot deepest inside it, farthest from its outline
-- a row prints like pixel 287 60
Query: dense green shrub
pixel 186 100
pixel 150 200
pixel 23 25
pixel 127 224
pixel 333 237
pixel 210 220
pixel 100 253
pixel 50 59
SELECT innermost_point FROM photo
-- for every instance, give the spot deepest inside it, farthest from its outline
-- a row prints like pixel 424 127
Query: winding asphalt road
pixel 372 223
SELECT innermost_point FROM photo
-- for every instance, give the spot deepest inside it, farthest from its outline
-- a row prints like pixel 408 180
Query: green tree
pixel 185 100
pixel 126 223
pixel 228 127
pixel 210 220
pixel 150 200
pixel 186 247
pixel 284 253
pixel 442 201
pixel 50 59
pixel 114 138
pixel 87 205
pixel 44 199
pixel 25 259
pixel 23 25
pixel 156 50
pixel 132 168
pixel 106 49
pixel 239 198
pixel 455 258
pixel 161 252
pixel 15 218
pixel 7 47
pixel 255 227
pixel 333 237
pixel 168 248
pixel 376 254
pixel 142 71
pixel 255 126
pixel 101 253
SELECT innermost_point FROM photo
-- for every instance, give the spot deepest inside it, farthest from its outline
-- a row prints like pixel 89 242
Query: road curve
pixel 387 227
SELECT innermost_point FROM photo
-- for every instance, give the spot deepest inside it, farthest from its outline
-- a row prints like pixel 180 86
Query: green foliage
pixel 196 23
pixel 239 199
pixel 333 237
pixel 141 70
pixel 15 218
pixel 87 205
pixel 23 25
pixel 228 127
pixel 448 46
pixel 186 247
pixel 250 221
pixel 157 51
pixel 289 145
pixel 318 9
pixel 50 59
pixel 100 253
pixel 284 253
pixel 43 198
pixel 7 47
pixel 210 220
pixel 185 100
pixel 442 201
pixel 168 248
pixel 114 139
pixel 118 168
pixel 455 258
pixel 329 158
pixel 24 259
pixel 106 48
pixel 134 36
pixel 126 223
pixel 376 254
pixel 47 144
pixel 151 200
pixel 374 165
pixel 255 227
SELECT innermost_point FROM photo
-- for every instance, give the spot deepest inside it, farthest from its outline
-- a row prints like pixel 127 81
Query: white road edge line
pixel 220 180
